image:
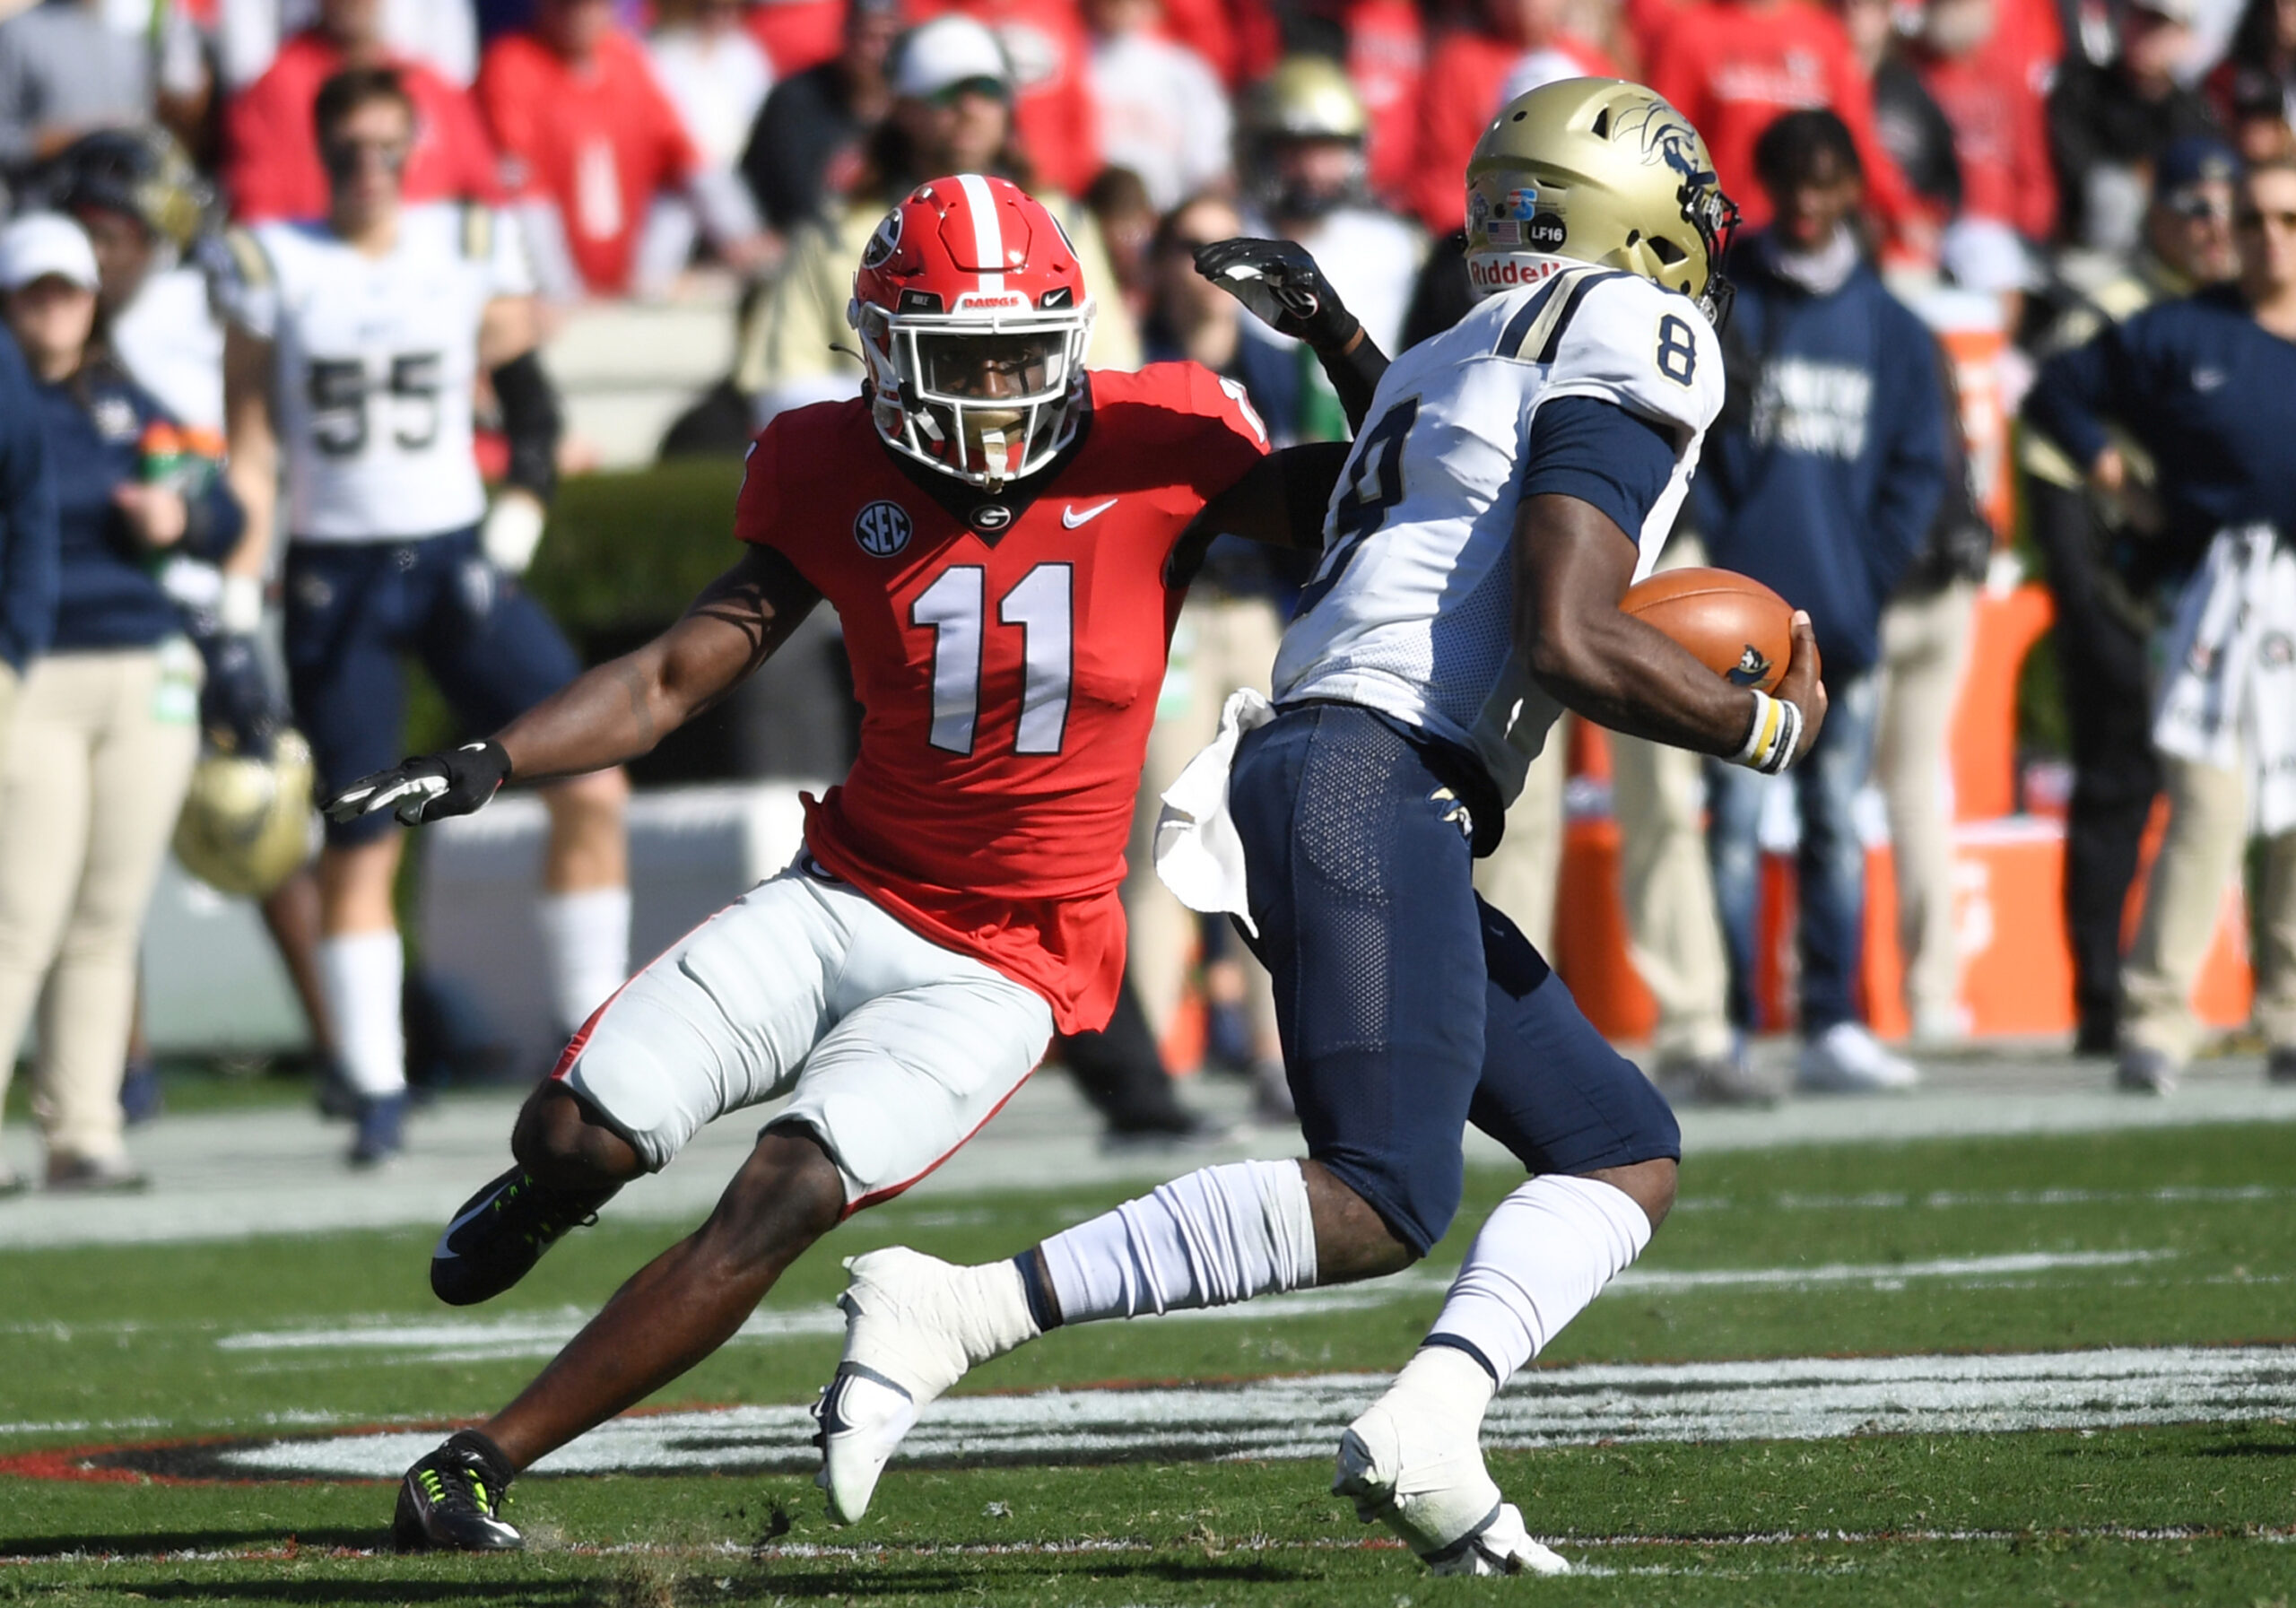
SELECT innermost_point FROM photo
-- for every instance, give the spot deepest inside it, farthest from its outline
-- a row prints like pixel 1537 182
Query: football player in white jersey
pixel 1517 474
pixel 352 348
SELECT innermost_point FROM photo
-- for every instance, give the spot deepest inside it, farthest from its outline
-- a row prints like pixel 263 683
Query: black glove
pixel 430 786
pixel 239 708
pixel 1279 281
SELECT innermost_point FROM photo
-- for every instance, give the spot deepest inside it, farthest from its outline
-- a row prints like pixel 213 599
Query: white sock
pixel 1218 1236
pixel 364 973
pixel 585 948
pixel 1541 1255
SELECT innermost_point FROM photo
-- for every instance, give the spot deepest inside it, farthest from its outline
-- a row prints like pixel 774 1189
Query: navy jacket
pixel 2210 393
pixel 28 553
pixel 1822 476
pixel 110 594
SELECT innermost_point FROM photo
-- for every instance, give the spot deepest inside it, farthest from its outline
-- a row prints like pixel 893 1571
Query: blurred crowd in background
pixel 2052 166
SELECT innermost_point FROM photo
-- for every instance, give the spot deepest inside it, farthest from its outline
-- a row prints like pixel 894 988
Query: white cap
pixel 946 52
pixel 40 244
pixel 2184 12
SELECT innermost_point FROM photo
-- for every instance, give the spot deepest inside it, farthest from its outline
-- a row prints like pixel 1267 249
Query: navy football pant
pixel 1408 1008
pixel 354 608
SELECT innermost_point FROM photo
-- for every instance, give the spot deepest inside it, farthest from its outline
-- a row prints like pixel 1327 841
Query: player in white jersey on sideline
pixel 1520 472
pixel 353 346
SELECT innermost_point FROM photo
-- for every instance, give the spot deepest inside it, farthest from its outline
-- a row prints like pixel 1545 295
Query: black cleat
pixel 453 1500
pixel 501 1232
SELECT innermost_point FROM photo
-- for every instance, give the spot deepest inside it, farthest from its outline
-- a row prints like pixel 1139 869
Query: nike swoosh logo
pixel 443 1249
pixel 1070 518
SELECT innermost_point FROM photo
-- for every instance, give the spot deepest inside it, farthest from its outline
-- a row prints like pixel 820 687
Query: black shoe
pixel 453 1500
pixel 501 1232
pixel 2279 1066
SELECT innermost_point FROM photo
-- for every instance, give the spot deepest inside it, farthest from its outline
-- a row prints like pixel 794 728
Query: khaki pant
pixel 2200 859
pixel 1924 649
pixel 1674 937
pixel 1221 645
pixel 97 761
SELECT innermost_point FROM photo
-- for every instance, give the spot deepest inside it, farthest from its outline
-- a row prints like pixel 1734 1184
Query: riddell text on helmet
pixel 1510 270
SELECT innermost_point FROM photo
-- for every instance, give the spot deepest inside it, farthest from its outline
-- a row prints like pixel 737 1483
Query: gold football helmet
pixel 1597 170
pixel 247 823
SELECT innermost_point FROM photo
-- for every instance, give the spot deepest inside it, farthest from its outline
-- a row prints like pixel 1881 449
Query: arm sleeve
pixel 1912 479
pixel 30 561
pixel 1600 453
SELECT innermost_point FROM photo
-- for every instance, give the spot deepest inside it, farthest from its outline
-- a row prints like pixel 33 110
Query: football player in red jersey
pixel 1006 537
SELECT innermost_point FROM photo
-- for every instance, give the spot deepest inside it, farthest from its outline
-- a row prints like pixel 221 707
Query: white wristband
pixel 238 609
pixel 1772 739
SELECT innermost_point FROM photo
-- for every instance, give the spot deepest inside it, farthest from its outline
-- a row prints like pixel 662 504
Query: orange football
pixel 1735 626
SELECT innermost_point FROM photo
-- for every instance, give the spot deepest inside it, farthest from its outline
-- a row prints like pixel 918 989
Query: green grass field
pixel 2164 1238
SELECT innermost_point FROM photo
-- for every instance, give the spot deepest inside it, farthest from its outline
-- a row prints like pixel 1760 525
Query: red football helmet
pixel 973 316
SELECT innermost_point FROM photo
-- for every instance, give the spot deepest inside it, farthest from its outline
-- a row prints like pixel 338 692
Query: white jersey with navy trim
pixel 375 357
pixel 1410 610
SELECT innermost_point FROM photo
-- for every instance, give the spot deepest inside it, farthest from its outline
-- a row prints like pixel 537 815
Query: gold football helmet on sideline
pixel 1597 170
pixel 1306 98
pixel 247 823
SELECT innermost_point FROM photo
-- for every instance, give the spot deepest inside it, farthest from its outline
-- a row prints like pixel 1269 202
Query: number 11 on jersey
pixel 1043 606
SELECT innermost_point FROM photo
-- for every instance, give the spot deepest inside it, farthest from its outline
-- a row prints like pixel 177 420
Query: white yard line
pixel 541 1334
pixel 1795 1398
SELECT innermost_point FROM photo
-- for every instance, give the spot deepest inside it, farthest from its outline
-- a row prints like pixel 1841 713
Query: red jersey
pixel 1008 677
pixel 271 151
pixel 1386 58
pixel 1464 85
pixel 1732 68
pixel 2000 134
pixel 600 140
pixel 796 34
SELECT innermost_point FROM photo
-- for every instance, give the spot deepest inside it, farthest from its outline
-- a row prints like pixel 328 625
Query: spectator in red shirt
pixel 588 142
pixel 270 151
pixel 1051 56
pixel 797 34
pixel 1471 74
pixel 1732 66
pixel 2000 120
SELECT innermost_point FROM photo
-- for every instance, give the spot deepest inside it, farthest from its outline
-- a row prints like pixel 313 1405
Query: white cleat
pixel 1439 1499
pixel 906 1320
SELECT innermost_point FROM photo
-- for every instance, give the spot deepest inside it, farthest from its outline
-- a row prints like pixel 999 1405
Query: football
pixel 1735 626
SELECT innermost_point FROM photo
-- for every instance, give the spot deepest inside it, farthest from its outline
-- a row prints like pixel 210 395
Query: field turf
pixel 2160 1238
